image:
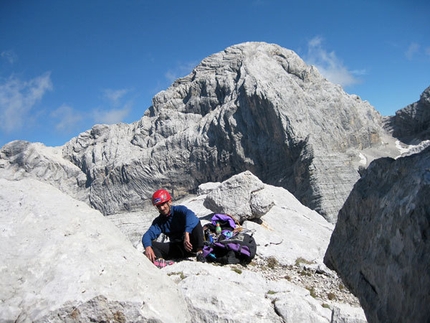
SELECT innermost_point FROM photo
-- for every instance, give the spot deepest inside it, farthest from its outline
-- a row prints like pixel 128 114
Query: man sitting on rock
pixel 180 224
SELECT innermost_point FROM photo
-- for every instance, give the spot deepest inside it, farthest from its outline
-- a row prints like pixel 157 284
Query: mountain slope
pixel 253 106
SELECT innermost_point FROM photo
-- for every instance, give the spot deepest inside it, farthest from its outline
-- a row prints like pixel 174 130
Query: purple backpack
pixel 229 247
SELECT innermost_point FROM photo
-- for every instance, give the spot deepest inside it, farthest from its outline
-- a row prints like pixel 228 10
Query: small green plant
pixel 272 262
pixel 181 274
pixel 325 305
pixel 312 291
pixel 252 263
pixel 341 286
pixel 271 292
pixel 301 260
pixel 331 296
pixel 305 273
pixel 236 270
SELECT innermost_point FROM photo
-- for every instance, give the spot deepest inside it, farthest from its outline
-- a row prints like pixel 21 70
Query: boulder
pixel 240 196
pixel 233 294
pixel 380 244
pixel 65 262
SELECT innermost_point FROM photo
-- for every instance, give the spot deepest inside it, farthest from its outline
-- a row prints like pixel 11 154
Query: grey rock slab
pixel 58 253
pixel 234 294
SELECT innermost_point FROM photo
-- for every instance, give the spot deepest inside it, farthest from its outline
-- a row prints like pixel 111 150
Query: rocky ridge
pixel 411 124
pixel 254 106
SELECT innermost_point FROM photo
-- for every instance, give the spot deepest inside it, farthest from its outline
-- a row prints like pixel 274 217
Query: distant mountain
pixel 254 106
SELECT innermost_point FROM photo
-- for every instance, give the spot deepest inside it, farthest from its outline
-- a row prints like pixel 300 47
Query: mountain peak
pixel 253 106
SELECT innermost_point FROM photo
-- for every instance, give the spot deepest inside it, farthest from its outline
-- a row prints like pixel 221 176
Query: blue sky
pixel 67 65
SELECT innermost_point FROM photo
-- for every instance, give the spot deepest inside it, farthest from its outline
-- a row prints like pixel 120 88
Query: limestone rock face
pixel 412 122
pixel 253 106
pixel 65 262
pixel 380 246
pixel 22 159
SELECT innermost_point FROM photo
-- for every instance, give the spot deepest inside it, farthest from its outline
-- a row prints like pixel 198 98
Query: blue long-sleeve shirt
pixel 180 220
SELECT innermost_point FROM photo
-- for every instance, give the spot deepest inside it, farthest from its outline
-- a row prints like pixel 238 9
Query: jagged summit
pixel 254 106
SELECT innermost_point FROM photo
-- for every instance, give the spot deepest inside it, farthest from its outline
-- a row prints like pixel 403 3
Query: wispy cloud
pixel 412 50
pixel 17 98
pixel 329 65
pixel 9 56
pixel 111 116
pixel 114 96
pixel 67 119
pixel 118 109
pixel 180 71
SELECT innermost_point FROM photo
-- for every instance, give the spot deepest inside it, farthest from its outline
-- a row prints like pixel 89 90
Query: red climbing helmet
pixel 160 196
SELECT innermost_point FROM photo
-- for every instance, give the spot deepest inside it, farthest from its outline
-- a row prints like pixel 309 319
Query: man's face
pixel 164 208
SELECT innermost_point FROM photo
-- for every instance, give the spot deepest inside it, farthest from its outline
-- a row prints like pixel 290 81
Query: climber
pixel 177 222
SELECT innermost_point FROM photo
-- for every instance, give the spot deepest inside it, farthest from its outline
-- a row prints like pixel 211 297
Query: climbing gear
pixel 161 263
pixel 160 197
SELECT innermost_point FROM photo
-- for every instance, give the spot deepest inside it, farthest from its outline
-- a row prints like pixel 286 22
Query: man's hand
pixel 187 244
pixel 150 253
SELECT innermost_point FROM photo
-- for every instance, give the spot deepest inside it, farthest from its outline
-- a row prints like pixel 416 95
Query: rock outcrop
pixel 412 123
pixel 64 262
pixel 242 195
pixel 380 246
pixel 253 106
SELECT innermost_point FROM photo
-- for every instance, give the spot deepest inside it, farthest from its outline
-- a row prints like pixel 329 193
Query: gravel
pixel 322 283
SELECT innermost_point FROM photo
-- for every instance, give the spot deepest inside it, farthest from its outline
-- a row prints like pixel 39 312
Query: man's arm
pixel 191 219
pixel 152 234
pixel 187 244
pixel 150 253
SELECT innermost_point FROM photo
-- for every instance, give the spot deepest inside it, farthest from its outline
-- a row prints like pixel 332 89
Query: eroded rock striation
pixel 380 245
pixel 254 106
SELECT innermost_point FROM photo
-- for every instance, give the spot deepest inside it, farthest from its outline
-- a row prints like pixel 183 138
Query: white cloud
pixel 180 71
pixel 68 118
pixel 18 97
pixel 111 116
pixel 329 65
pixel 171 76
pixel 412 50
pixel 114 96
pixel 117 111
pixel 9 55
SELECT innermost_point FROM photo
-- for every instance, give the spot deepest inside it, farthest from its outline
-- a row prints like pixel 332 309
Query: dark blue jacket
pixel 180 220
